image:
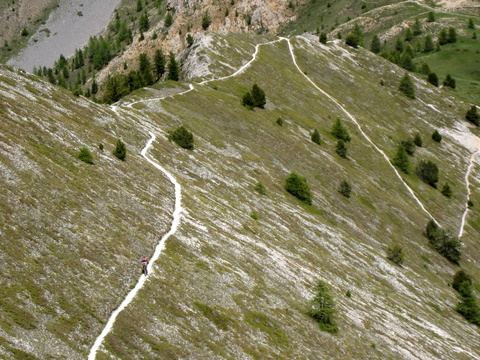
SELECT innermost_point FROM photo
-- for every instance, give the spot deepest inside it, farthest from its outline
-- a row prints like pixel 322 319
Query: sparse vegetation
pixel 436 136
pixel 260 188
pixel 472 116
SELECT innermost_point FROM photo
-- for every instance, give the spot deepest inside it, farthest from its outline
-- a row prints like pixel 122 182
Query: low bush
pixel 85 155
pixel 120 150
pixel 395 254
pixel 345 189
pixel 443 242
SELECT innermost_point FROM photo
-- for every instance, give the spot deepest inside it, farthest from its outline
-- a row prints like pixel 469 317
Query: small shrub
pixel 260 188
pixel 316 137
pixel 348 294
pixel 467 306
pixel 395 254
pixel 323 309
pixel 85 155
pixel 447 190
pixel 436 136
pixel 298 187
pixel 279 121
pixel 120 150
pixel 427 171
pixel 100 147
pixel 352 40
pixel 323 38
pixel 254 215
pixel 189 40
pixel 254 98
pixel 182 137
pixel 206 21
pixel 470 203
pixel 345 189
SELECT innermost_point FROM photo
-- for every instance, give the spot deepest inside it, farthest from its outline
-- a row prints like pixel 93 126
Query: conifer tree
pixel 417 140
pixel 298 187
pixel 409 34
pixel 341 149
pixel 436 136
pixel 145 70
pixel 417 27
pixel 428 46
pixel 206 21
pixel 159 63
pixel 425 69
pixel 433 79
pixel 173 72
pixel 316 137
pixel 375 46
pixel 431 17
pixel 401 160
pixel 470 25
pixel 345 189
pixel 406 87
pixel 323 38
pixel 340 131
pixel 352 40
pixel 144 23
pixel 120 150
pixel 94 86
pixel 85 155
pixel 447 190
pixel 168 20
pixel 427 171
pixel 247 101
pixel 449 81
pixel 443 37
pixel 452 35
pixel 472 116
pixel 258 96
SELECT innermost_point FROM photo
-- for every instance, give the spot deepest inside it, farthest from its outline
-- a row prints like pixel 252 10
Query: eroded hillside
pixel 229 286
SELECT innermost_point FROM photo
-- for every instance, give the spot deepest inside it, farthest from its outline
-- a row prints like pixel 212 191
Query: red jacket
pixel 144 260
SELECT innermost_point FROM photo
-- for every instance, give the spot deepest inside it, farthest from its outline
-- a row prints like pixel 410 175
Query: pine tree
pixel 316 137
pixel 409 146
pixel 406 62
pixel 258 96
pixel 352 40
pixel 375 46
pixel 428 46
pixel 94 86
pixel 395 254
pixel 443 37
pixel 433 79
pixel 323 309
pixel 340 131
pixel 206 21
pixel 173 72
pixel 341 149
pixel 409 34
pixel 399 45
pixel 182 137
pixel 159 63
pixel 406 87
pixel 452 35
pixel 189 39
pixel 431 17
pixel 472 116
pixel 323 38
pixel 417 27
pixel 145 71
pixel 345 189
pixel 247 101
pixel 298 187
pixel 401 160
pixel 427 171
pixel 120 150
pixel 436 136
pixel 449 81
pixel 417 140
pixel 85 155
pixel 425 69
pixel 470 25
pixel 168 20
pixel 139 5
pixel 447 190
pixel 144 23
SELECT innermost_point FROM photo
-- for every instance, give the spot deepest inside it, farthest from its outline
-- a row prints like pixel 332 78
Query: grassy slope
pixel 231 287
pixel 71 233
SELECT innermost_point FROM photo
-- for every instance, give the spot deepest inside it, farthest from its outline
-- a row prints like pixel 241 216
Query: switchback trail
pixel 158 250
pixel 176 214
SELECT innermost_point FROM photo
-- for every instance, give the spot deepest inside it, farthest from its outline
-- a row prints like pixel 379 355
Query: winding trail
pixel 352 118
pixel 467 182
pixel 177 211
pixel 158 250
